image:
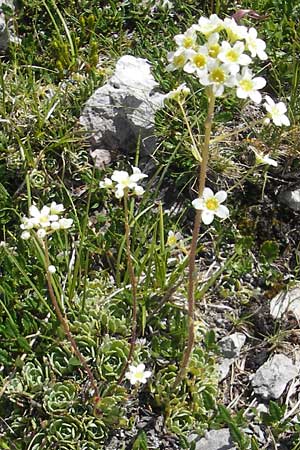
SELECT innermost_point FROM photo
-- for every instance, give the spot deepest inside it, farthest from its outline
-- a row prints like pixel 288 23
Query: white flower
pixel 234 56
pixel 247 86
pixel 197 60
pixel 218 76
pixel 107 183
pixel 64 224
pixel 213 45
pixel 125 181
pixel 211 25
pixel 210 205
pixel 25 235
pixel 137 374
pixel 188 39
pixel 56 208
pixel 179 93
pixel 138 190
pixel 51 269
pixel 260 158
pixel 176 59
pixel 45 220
pixel 40 217
pixel 41 233
pixel 234 31
pixel 167 4
pixel 55 226
pixel 255 46
pixel 174 239
pixel 276 111
pixel 28 224
pixel 137 175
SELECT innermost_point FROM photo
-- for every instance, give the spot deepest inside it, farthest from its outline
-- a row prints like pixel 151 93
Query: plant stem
pixel 133 287
pixel 195 150
pixel 65 324
pixel 192 277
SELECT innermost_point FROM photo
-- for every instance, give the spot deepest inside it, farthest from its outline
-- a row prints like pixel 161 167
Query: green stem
pixel 195 150
pixel 65 324
pixel 133 287
pixel 192 277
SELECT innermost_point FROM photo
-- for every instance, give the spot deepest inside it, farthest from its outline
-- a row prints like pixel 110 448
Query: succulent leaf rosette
pixel 113 355
pixel 61 397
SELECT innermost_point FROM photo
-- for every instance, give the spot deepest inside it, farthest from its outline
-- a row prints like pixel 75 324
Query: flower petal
pixel 222 212
pixel 207 217
pixel 207 193
pixel 221 196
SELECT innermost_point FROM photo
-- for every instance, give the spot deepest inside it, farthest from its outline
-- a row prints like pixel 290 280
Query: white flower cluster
pixel 219 53
pixel 124 181
pixel 45 221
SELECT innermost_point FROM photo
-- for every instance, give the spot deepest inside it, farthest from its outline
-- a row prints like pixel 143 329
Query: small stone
pixel 285 302
pixel 290 199
pixel 215 440
pixel 101 158
pixel 230 346
pixel 271 378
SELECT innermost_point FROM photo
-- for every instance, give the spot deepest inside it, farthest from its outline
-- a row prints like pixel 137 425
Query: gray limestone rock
pixel 4 37
pixel 290 198
pixel 284 302
pixel 214 440
pixel 271 378
pixel 230 347
pixel 6 28
pixel 120 115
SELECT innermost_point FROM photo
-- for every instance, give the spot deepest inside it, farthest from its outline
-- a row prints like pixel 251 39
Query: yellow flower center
pixel 247 85
pixel 218 75
pixel 199 60
pixel 172 240
pixel 139 375
pixel 179 60
pixel 274 111
pixel 214 50
pixel 232 56
pixel 212 204
pixel 188 42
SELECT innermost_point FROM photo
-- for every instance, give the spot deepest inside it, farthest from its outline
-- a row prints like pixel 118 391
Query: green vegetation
pixel 47 400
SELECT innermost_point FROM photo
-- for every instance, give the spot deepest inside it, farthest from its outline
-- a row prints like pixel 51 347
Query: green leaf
pixel 276 411
pixel 141 442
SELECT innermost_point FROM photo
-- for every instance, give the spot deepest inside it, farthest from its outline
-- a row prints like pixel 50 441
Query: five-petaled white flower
pixel 174 239
pixel 211 25
pixel 218 77
pixel 260 158
pixel 137 374
pixel 210 205
pixel 124 181
pixel 177 59
pixel 276 111
pixel 197 60
pixel 247 86
pixel 188 39
pixel 233 56
pixel 234 31
pixel 255 46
